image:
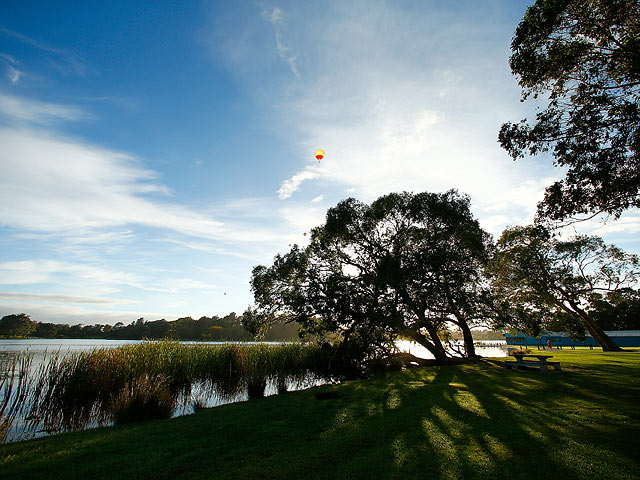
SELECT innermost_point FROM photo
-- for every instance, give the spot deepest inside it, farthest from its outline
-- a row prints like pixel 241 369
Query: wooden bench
pixel 542 362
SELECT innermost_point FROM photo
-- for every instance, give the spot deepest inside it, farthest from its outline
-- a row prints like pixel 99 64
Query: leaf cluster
pixel 583 58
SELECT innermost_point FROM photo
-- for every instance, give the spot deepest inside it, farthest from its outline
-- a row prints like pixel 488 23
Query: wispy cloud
pixel 88 193
pixel 30 272
pixel 276 17
pixel 12 72
pixel 95 206
pixel 57 298
pixel 66 185
pixel 291 185
pixel 23 110
pixel 405 101
pixel 63 60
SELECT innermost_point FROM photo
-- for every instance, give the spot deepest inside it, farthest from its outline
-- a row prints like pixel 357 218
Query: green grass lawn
pixel 469 421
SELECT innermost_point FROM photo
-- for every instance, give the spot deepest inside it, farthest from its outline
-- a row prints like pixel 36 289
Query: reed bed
pixel 14 389
pixel 150 380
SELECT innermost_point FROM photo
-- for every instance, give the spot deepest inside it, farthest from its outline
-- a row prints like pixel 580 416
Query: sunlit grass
pixel 462 421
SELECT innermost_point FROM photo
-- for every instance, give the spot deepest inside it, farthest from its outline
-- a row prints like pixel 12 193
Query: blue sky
pixel 152 153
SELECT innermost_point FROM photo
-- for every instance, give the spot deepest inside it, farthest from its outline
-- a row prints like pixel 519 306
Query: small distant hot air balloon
pixel 319 154
pixel 305 234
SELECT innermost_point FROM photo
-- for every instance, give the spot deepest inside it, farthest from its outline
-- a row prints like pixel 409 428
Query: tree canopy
pixel 583 58
pixel 17 325
pixel 539 278
pixel 405 265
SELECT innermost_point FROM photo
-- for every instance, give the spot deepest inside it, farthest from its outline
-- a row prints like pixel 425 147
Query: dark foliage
pixel 584 58
pixel 547 283
pixel 618 310
pixel 407 265
pixel 17 325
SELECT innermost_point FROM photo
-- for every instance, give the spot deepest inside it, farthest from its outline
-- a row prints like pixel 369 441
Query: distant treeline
pixel 204 329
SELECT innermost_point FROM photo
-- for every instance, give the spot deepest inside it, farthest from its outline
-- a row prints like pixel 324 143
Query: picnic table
pixel 542 362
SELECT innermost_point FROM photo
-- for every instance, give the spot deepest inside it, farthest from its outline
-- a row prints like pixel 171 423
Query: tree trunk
pixel 599 336
pixel 469 347
pixel 468 339
pixel 437 351
pixel 596 332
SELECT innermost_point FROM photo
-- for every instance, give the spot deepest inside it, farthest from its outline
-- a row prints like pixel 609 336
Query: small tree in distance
pixel 17 325
pixel 535 274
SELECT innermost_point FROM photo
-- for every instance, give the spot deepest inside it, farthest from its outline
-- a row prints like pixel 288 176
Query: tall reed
pixel 79 389
pixel 14 389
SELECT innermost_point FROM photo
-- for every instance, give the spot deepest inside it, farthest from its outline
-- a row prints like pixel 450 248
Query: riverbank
pixel 463 421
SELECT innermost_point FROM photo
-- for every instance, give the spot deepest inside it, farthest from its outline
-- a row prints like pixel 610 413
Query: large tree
pixel 581 58
pixel 538 276
pixel 405 265
pixel 17 325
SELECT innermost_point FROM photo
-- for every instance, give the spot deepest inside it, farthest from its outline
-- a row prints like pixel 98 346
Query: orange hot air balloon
pixel 319 154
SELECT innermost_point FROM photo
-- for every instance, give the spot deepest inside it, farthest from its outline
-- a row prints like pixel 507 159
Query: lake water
pixel 41 348
pixel 491 348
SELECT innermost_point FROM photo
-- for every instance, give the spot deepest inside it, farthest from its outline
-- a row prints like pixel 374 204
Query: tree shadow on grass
pixel 463 421
pixel 477 423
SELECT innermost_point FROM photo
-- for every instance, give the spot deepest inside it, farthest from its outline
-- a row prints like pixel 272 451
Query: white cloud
pixel 177 285
pixel 416 108
pixel 58 298
pixel 291 185
pixel 27 272
pixel 69 277
pixel 300 219
pixel 65 61
pixel 622 232
pixel 318 199
pixel 14 75
pixel 12 72
pixel 51 184
pixel 28 111
pixel 276 18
